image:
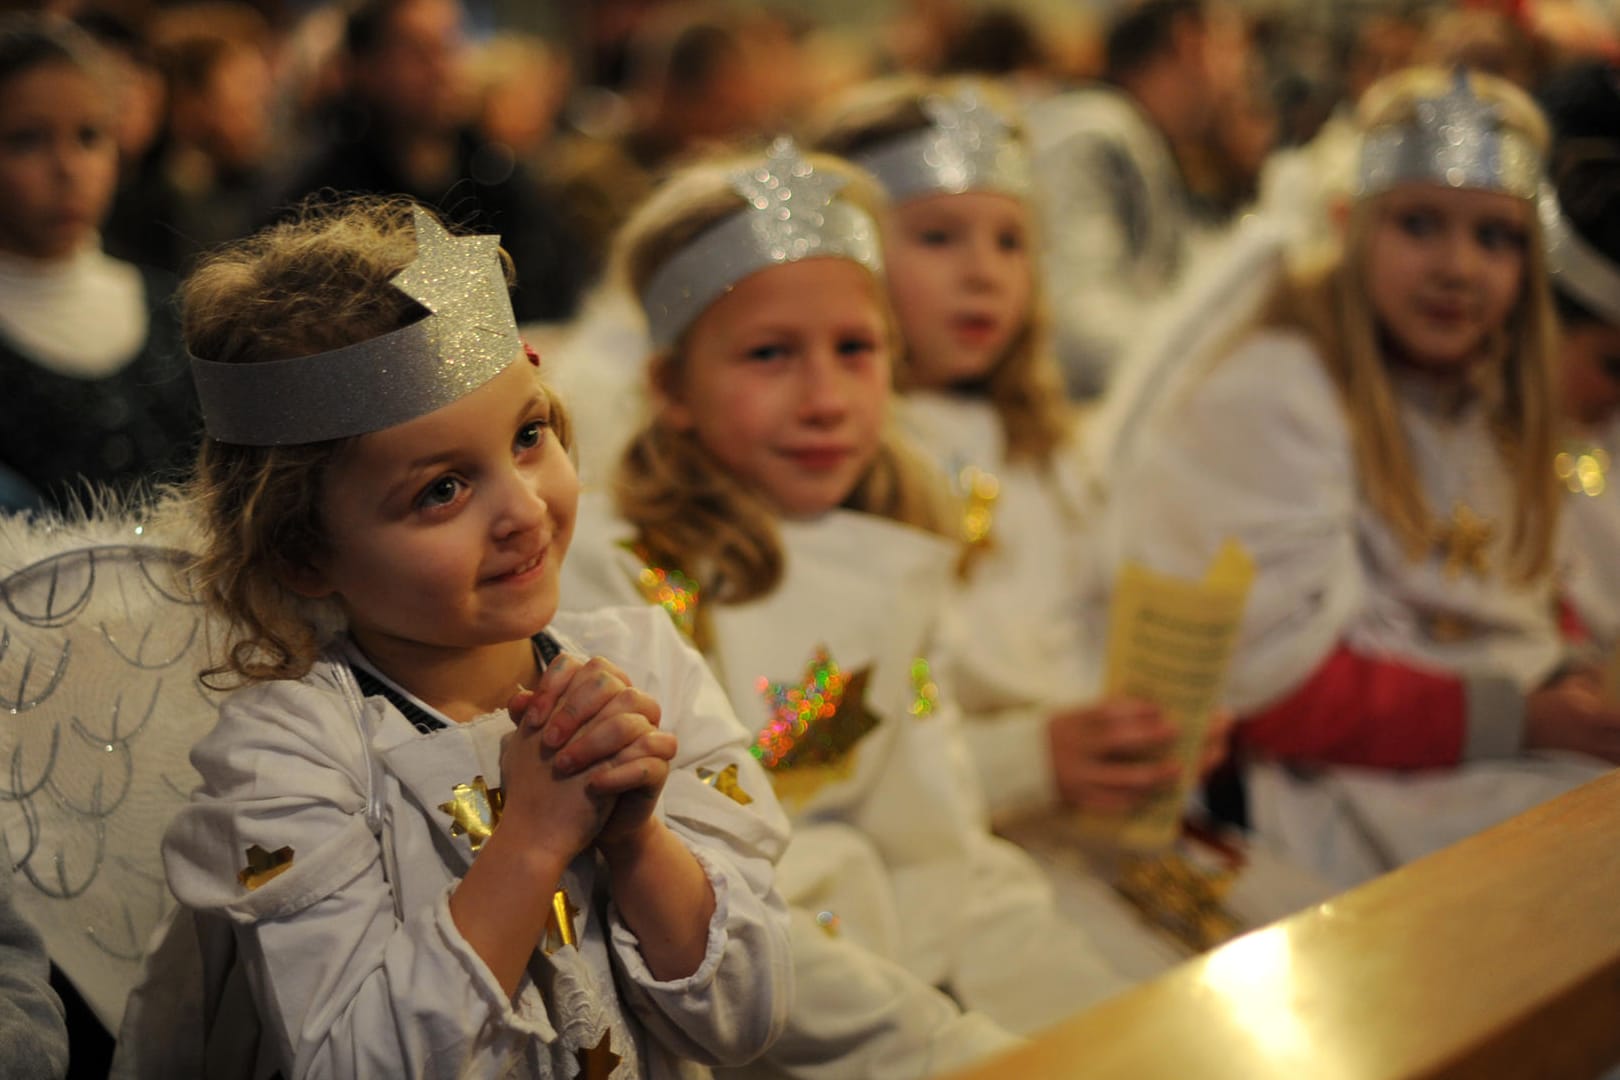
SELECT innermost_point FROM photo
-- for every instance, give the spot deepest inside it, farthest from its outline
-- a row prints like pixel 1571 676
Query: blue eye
pixel 530 435
pixel 441 492
pixel 1418 223
pixel 1500 236
pixel 767 352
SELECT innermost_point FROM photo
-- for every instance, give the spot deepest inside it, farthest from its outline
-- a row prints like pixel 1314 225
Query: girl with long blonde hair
pixel 1380 442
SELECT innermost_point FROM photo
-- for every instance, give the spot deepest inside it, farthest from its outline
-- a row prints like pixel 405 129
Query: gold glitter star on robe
pixel 1463 543
pixel 474 811
pixel 560 930
pixel 263 865
pixel 814 726
pixel 599 1061
pixel 725 782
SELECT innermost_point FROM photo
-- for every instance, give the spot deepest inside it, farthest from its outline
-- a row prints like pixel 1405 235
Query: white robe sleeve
pixel 734 1005
pixel 1257 450
pixel 342 985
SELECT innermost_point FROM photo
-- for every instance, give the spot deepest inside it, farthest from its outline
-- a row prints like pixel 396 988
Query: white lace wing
pixel 100 647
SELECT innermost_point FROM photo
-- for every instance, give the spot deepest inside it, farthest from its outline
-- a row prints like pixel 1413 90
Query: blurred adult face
pixel 412 73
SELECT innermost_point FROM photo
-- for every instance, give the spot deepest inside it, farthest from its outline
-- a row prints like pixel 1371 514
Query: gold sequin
pixel 979 491
pixel 926 690
pixel 1584 470
pixel 474 811
pixel 560 930
pixel 671 590
pixel 725 781
pixel 264 865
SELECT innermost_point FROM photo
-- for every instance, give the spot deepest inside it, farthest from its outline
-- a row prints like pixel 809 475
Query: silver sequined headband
pixel 792 214
pixel 1577 268
pixel 967 146
pixel 1455 141
pixel 468 337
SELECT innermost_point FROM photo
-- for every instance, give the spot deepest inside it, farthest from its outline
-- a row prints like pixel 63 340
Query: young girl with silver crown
pixel 982 396
pixel 768 508
pixel 429 872
pixel 1378 439
pixel 1582 225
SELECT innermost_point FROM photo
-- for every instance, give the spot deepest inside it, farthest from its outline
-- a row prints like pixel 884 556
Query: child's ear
pixel 663 386
pixel 305 579
pixel 1338 211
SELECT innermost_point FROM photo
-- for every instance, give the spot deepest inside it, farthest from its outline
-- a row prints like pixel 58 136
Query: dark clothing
pixel 490 194
pixel 139 423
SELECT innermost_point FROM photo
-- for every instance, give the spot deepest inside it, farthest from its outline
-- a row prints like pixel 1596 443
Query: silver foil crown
pixel 1578 270
pixel 793 213
pixel 968 146
pixel 467 338
pixel 1456 140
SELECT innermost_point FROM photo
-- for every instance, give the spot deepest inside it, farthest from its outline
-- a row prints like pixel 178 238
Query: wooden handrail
pixel 1496 958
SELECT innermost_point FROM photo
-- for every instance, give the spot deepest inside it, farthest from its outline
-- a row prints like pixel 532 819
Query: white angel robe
pixel 1028 638
pixel 890 848
pixel 330 832
pixel 1256 447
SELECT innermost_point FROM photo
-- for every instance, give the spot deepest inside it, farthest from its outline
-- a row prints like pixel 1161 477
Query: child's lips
pixel 819 458
pixel 974 329
pixel 523 571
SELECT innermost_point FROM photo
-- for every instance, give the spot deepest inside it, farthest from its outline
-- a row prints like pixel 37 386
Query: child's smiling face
pixel 785 381
pixel 960 275
pixel 1445 269
pixel 449 531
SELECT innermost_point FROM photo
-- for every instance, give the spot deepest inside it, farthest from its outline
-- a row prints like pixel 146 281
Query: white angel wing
pixel 100 646
pixel 1220 297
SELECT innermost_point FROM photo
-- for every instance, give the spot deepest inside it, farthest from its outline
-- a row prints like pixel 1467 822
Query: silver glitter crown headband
pixel 468 337
pixel 1577 268
pixel 968 146
pixel 792 214
pixel 1455 140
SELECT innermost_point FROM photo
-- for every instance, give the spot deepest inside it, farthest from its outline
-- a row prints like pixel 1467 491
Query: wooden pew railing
pixel 1496 959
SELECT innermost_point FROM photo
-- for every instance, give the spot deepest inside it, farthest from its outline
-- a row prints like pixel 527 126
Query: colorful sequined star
pixel 474 811
pixel 263 865
pixel 599 1061
pixel 1463 542
pixel 671 590
pixel 725 781
pixel 926 689
pixel 560 930
pixel 816 722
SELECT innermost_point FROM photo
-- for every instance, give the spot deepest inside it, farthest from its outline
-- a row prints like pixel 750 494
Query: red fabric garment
pixel 1356 710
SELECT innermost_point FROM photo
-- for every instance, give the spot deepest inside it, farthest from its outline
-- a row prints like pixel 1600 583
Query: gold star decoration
pixel 1183 900
pixel 474 811
pixel 263 865
pixel 816 722
pixel 560 930
pixel 725 781
pixel 1463 542
pixel 671 590
pixel 599 1061
pixel 979 491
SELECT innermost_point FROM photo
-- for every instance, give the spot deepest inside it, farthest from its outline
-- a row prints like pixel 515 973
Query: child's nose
pixel 522 507
pixel 824 390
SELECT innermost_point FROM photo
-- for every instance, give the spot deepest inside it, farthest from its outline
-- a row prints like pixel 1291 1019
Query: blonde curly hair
pixel 317 282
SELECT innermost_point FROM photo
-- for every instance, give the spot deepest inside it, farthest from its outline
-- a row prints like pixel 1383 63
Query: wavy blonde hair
pixel 1024 387
pixel 312 284
pixel 1330 304
pixel 689 512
